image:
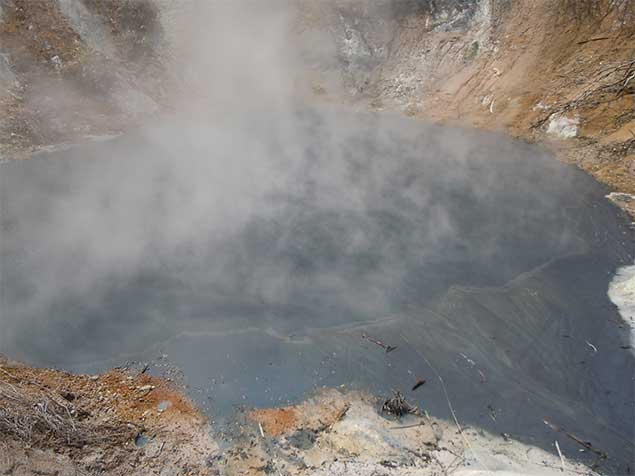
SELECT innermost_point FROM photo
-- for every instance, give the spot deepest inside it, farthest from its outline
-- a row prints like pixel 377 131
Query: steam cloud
pixel 248 203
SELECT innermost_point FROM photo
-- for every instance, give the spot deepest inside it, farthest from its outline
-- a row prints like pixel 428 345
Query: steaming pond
pixel 257 256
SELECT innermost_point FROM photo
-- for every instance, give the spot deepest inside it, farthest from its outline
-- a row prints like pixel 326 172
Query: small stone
pixel 57 61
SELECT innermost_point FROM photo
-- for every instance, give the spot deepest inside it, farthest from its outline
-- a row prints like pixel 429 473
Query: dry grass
pixel 607 84
pixel 91 423
pixel 36 416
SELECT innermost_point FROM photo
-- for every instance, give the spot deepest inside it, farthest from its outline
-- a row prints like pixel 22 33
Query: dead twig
pixel 414 425
pixel 342 413
pixel 590 40
pixel 160 450
pixel 447 397
pixel 561 457
pixel 386 347
pixel 578 440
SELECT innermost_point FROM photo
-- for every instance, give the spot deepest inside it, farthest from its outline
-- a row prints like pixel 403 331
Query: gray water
pixel 257 257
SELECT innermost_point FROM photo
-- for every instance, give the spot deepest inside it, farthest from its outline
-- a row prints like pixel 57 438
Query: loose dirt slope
pixel 557 71
pixel 71 69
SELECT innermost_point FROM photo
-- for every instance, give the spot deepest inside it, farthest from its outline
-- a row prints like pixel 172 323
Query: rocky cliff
pixel 556 71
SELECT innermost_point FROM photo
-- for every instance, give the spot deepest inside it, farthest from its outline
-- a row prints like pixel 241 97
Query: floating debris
pixel 577 439
pixel 386 347
pixel 419 383
pixel 398 406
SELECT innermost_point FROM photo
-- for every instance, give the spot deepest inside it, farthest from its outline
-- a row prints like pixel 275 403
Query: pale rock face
pixel 563 127
pixel 622 294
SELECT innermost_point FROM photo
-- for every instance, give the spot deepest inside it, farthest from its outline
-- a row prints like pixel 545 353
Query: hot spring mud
pixel 258 258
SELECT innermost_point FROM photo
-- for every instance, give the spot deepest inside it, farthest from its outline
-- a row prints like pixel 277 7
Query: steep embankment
pixel 71 69
pixel 556 71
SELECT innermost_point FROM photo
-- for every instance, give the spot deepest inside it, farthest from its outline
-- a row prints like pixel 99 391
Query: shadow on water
pixel 257 257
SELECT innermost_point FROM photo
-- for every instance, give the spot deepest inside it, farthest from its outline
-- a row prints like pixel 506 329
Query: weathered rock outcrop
pixel 550 70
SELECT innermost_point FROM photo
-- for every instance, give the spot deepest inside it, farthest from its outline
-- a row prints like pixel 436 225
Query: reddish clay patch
pixel 276 421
